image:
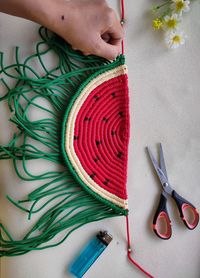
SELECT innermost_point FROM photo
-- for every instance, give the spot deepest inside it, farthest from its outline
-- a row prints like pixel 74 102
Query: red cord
pixel 127 222
pixel 129 251
pixel 122 9
pixel 122 21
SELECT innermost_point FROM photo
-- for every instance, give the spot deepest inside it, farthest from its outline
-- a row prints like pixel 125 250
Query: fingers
pixel 110 46
pixel 116 37
pixel 115 32
pixel 107 50
pixel 86 53
pixel 109 39
pixel 105 47
pixel 110 42
pixel 107 43
pixel 103 38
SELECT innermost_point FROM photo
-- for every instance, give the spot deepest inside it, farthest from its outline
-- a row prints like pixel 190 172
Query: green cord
pixel 62 203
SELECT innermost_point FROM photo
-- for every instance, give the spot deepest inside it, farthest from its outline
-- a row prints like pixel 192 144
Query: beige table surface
pixel 165 107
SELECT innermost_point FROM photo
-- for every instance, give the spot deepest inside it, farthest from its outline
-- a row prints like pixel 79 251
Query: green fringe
pixel 69 206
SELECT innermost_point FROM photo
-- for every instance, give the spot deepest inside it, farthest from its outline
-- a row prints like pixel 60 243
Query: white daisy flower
pixel 171 22
pixel 175 38
pixel 180 6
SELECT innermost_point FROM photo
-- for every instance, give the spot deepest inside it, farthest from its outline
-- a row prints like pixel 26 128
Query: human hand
pixel 89 26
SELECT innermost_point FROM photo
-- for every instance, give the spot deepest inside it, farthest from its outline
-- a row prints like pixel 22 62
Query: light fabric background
pixel 164 102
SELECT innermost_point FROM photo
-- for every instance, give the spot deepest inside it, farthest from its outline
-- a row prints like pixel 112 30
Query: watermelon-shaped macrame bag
pixel 95 135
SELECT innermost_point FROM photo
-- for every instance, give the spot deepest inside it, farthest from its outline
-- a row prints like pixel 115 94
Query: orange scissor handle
pixel 188 212
pixel 161 221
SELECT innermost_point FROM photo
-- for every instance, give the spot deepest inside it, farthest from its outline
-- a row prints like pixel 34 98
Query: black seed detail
pixel 113 132
pixel 96 97
pixel 98 142
pixel 106 181
pixel 96 159
pixel 105 119
pixel 113 95
pixel 92 175
pixel 75 137
pixel 87 119
pixel 62 17
pixel 121 114
pixel 119 154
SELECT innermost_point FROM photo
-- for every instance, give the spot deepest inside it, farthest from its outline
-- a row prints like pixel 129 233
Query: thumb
pixel 106 50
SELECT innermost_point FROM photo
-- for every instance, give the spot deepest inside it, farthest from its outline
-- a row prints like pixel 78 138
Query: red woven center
pixel 101 135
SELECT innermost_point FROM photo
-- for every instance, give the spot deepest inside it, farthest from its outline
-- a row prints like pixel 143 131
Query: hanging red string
pixel 129 251
pixel 127 220
pixel 122 21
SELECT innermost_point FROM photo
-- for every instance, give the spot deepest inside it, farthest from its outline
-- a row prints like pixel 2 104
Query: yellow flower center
pixel 157 24
pixel 171 23
pixel 176 39
pixel 179 6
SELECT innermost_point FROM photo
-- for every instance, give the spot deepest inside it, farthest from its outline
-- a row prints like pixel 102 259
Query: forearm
pixel 39 11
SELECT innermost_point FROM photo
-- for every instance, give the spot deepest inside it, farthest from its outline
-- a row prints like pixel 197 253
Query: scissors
pixel 161 221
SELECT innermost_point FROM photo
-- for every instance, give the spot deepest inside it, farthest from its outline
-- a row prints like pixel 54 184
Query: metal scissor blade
pixel 162 161
pixel 163 179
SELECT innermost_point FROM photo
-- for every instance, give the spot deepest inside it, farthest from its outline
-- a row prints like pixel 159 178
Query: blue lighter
pixel 89 254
